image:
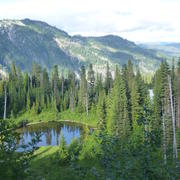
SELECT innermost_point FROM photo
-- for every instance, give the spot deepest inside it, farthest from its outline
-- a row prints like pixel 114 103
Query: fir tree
pixel 55 85
pixel 119 108
pixel 101 112
pixel 91 83
pixel 28 102
pixel 63 152
pixel 108 79
pixel 72 93
pixel 83 92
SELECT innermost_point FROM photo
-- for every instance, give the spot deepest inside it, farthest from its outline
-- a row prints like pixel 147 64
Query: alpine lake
pixel 51 132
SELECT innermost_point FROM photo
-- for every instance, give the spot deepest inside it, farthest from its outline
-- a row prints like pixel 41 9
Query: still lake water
pixel 51 133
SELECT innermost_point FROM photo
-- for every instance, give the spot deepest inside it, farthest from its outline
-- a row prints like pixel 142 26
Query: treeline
pixel 43 91
pixel 126 96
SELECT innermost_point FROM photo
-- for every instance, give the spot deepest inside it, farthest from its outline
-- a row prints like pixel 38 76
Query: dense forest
pixel 137 136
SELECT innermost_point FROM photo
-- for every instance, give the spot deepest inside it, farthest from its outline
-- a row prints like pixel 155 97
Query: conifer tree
pixel 128 91
pixel 119 117
pixel 46 84
pixel 13 89
pixel 108 79
pixel 101 111
pixel 55 85
pixel 83 92
pixel 72 94
pixel 98 86
pixel 36 71
pixel 135 106
pixel 63 152
pixel 130 74
pixel 28 102
pixel 33 109
pixel 91 83
pixel 26 82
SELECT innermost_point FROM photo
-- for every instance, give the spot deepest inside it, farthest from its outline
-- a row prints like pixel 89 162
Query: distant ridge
pixel 27 41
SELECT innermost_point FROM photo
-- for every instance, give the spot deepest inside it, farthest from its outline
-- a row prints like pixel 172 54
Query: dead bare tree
pixel 62 85
pixel 5 101
pixel 175 154
pixel 178 101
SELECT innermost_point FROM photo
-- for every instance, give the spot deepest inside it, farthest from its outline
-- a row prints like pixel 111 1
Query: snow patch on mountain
pixel 8 23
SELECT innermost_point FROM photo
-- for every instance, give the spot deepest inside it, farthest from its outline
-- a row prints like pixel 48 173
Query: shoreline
pixel 70 121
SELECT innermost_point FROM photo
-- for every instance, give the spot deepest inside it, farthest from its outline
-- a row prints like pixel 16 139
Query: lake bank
pixel 28 118
pixel 62 121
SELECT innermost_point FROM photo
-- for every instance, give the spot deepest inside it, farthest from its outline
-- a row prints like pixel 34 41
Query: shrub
pixel 63 152
pixel 74 149
pixel 90 148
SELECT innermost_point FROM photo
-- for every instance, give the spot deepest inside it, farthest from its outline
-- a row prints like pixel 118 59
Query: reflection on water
pixel 50 133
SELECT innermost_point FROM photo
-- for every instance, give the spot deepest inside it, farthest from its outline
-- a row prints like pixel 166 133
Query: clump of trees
pixel 137 137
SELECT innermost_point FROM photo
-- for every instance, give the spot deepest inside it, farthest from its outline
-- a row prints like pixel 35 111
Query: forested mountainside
pixel 27 41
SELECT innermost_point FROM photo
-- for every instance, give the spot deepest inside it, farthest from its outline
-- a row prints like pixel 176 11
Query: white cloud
pixel 137 20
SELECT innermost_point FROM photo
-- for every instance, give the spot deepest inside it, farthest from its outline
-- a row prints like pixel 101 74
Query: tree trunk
pixel 178 103
pixel 173 121
pixel 72 103
pixel 178 113
pixel 55 91
pixel 86 103
pixel 5 102
pixel 62 86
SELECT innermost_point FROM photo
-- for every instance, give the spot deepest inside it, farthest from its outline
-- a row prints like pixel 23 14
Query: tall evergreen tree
pixel 55 87
pixel 101 112
pixel 72 93
pixel 119 117
pixel 91 83
pixel 83 92
pixel 108 79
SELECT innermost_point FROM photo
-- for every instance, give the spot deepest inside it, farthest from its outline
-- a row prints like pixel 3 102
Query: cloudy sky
pixel 136 20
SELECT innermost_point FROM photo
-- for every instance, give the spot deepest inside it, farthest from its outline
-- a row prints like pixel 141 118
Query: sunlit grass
pixel 46 165
pixel 45 116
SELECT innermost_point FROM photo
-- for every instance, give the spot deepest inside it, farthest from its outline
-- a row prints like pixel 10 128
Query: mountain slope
pixel 170 49
pixel 27 41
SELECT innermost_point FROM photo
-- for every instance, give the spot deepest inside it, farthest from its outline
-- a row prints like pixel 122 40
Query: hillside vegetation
pixel 27 41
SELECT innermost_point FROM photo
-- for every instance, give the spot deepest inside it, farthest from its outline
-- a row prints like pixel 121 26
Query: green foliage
pixel 63 151
pixel 90 149
pixel 118 108
pixel 14 164
pixel 101 112
pixel 74 149
pixel 108 79
pixel 83 92
pixel 134 132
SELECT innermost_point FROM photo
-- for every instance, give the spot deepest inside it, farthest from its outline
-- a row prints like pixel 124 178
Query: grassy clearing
pixel 45 165
pixel 47 116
